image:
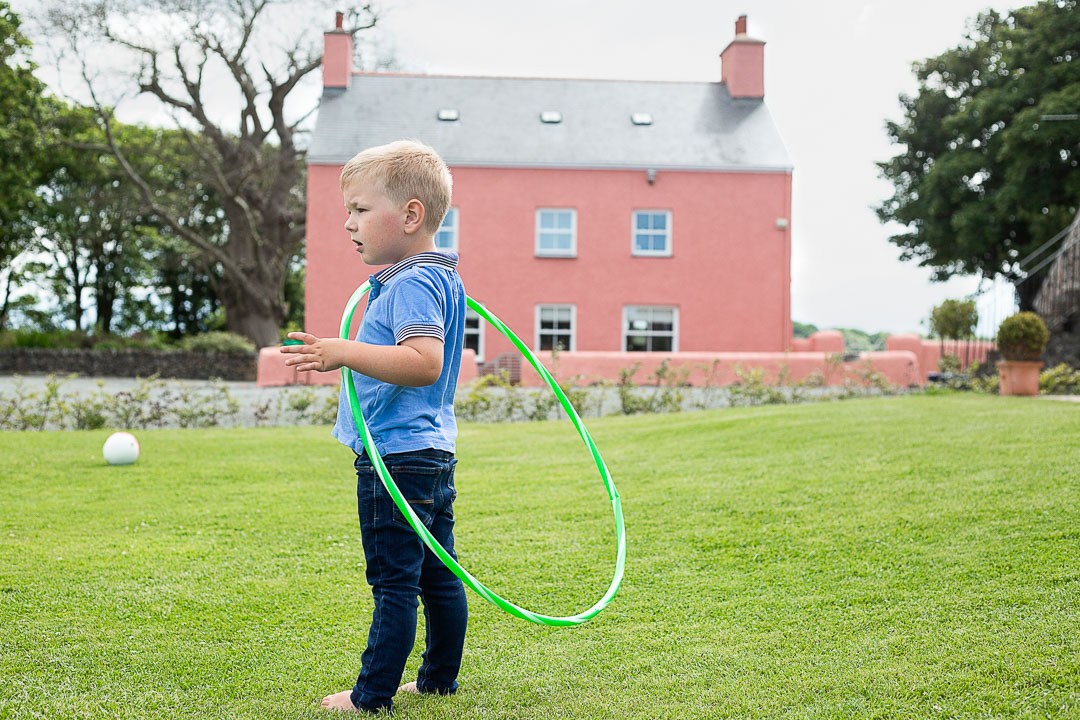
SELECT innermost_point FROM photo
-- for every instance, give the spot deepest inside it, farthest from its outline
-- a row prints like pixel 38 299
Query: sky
pixel 833 75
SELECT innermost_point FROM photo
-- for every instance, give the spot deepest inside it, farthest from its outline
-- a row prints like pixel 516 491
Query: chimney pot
pixel 339 20
pixel 740 25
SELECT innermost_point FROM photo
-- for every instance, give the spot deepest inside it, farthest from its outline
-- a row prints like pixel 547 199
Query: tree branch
pixel 148 198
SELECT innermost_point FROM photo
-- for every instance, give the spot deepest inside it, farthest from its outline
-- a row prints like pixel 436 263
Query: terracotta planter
pixel 1019 377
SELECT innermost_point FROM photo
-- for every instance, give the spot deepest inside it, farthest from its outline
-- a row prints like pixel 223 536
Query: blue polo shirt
pixel 420 296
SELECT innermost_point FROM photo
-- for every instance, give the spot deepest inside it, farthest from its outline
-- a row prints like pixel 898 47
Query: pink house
pixel 614 220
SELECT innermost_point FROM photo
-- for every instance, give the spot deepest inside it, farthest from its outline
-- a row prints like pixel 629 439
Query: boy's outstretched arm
pixel 416 362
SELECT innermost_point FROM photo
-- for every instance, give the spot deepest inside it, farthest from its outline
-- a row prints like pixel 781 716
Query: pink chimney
pixel 743 64
pixel 337 55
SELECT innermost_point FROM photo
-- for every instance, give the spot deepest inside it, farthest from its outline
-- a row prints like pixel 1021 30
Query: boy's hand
pixel 322 354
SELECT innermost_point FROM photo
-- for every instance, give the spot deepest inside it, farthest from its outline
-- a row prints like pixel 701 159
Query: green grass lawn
pixel 898 557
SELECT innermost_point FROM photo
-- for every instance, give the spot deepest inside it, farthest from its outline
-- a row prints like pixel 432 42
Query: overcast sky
pixel 833 73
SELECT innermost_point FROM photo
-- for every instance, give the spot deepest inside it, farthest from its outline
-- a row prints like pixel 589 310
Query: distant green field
pixel 900 557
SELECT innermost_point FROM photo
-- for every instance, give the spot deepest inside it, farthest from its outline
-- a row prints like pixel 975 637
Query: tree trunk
pixel 7 298
pixel 254 304
pixel 104 301
pixel 257 318
pixel 1027 291
pixel 77 306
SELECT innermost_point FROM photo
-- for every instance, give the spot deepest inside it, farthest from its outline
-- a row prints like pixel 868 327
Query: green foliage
pixel 98 237
pixel 150 341
pixel 751 388
pixel 39 339
pixel 860 341
pixel 1022 336
pixel 949 364
pixel 489 397
pixel 32 410
pixel 210 407
pixel 663 394
pixel 149 404
pixel 976 378
pixel 803 330
pixel 308 405
pixel 73 339
pixel 954 319
pixel 218 342
pixel 1059 380
pixel 89 411
pixel 982 179
pixel 23 106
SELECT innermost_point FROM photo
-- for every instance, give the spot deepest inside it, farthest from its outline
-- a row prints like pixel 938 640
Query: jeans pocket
pixel 416 481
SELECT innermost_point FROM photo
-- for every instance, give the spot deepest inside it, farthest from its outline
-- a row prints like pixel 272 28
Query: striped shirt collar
pixel 434 258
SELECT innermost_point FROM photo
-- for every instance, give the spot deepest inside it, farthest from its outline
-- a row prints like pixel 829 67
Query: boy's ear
pixel 414 216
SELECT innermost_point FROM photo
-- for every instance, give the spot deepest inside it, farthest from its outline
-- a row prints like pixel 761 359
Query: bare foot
pixel 339 702
pixel 409 688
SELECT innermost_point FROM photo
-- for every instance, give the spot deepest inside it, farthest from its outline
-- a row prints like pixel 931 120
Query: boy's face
pixel 376 225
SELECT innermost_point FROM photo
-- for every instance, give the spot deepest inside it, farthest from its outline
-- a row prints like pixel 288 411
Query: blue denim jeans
pixel 400 568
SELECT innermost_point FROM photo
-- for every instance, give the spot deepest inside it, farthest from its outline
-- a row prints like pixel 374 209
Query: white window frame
pixel 545 252
pixel 555 306
pixel 480 334
pixel 452 228
pixel 634 232
pixel 627 309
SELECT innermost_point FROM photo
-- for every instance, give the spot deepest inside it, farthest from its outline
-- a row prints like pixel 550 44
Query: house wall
pixel 729 273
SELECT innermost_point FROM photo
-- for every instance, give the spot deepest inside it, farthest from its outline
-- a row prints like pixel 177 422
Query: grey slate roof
pixel 696 126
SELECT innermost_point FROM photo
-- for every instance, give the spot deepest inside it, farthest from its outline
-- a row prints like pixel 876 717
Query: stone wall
pixel 128 363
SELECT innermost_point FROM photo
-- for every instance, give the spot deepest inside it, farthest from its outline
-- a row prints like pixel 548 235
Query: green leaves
pixel 982 179
pixel 21 148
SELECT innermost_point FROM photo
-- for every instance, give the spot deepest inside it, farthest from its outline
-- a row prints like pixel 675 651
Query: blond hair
pixel 405 170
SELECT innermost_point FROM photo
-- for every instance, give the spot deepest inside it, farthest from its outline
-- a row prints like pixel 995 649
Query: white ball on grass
pixel 121 448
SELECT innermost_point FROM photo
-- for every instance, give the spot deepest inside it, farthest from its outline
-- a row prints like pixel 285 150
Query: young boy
pixel 405 363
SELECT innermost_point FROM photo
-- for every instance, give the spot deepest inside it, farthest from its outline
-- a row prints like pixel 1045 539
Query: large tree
pixel 226 70
pixel 22 150
pixel 93 223
pixel 986 174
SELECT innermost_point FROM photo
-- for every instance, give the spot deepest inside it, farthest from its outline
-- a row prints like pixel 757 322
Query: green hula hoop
pixel 425 536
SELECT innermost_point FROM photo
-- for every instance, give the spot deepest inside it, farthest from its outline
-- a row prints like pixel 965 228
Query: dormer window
pixel 641 118
pixel 551 116
pixel 448 114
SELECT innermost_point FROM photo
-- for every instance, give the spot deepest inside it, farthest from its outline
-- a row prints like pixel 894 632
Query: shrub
pixel 57 339
pixel 949 364
pixel 136 342
pixel 486 398
pixel 89 412
pixel 219 342
pixel 1059 380
pixel 31 410
pixel 141 407
pixel 210 408
pixel 1022 336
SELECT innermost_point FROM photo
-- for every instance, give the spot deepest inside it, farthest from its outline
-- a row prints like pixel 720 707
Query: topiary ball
pixel 1022 337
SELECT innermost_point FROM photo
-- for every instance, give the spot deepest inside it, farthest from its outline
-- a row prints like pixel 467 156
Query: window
pixel 651 231
pixel 650 329
pixel 474 334
pixel 555 327
pixel 556 232
pixel 447 236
